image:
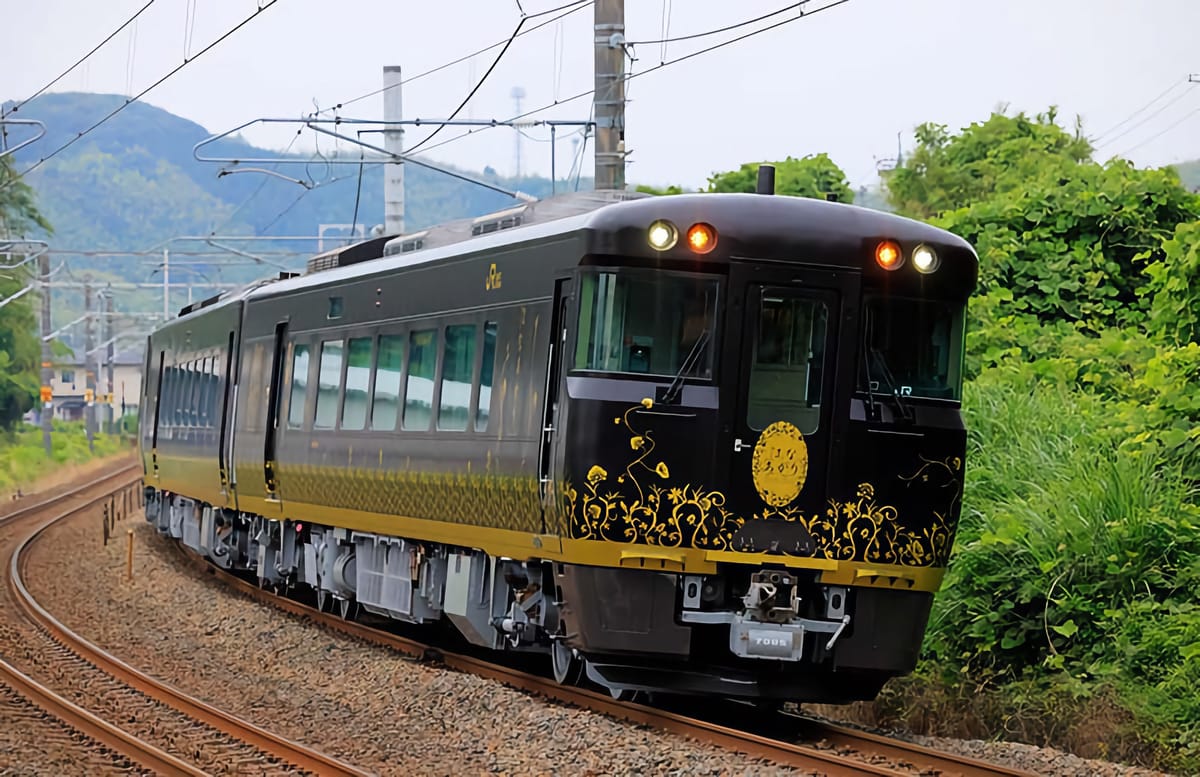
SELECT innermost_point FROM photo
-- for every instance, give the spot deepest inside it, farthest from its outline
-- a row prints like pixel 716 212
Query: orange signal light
pixel 888 256
pixel 701 238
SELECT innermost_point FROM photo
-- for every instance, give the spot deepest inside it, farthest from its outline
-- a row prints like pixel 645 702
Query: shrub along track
pixel 830 749
pixel 91 691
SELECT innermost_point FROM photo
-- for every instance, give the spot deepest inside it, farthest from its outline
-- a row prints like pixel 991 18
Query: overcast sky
pixel 844 81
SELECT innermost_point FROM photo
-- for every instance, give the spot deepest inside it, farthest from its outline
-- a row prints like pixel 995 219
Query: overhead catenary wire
pixel 804 14
pixel 131 100
pixel 573 7
pixel 667 27
pixel 17 106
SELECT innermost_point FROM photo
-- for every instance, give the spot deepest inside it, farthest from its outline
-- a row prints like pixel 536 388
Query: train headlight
pixel 702 238
pixel 888 255
pixel 925 259
pixel 662 235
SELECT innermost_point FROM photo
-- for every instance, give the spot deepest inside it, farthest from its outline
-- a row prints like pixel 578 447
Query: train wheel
pixel 323 600
pixel 347 608
pixel 566 663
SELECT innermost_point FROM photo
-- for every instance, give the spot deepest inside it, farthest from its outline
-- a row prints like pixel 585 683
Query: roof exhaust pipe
pixel 766 179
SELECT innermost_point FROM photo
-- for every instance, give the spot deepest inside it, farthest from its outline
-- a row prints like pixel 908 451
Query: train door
pixel 550 459
pixel 228 409
pixel 271 428
pixel 783 428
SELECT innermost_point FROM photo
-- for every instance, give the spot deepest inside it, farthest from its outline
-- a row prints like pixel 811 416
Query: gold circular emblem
pixel 780 463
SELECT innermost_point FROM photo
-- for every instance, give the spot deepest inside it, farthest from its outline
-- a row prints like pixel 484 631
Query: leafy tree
pixel 815 176
pixel 947 171
pixel 19 345
pixel 1072 242
pixel 659 190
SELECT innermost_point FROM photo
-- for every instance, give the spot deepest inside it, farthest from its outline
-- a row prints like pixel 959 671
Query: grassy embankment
pixel 23 460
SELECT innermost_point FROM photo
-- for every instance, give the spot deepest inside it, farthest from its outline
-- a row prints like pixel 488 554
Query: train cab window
pixel 418 390
pixel 486 376
pixel 647 324
pixel 329 382
pixel 458 366
pixel 358 378
pixel 299 386
pixel 788 363
pixel 386 399
pixel 914 347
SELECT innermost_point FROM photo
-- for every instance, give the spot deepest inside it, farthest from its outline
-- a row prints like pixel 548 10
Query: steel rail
pixel 911 755
pixel 244 731
pixel 93 727
pixel 24 510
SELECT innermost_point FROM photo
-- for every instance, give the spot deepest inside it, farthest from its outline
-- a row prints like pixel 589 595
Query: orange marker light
pixel 701 238
pixel 888 255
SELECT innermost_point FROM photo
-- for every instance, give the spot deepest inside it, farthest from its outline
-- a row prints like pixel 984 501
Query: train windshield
pixel 647 323
pixel 912 347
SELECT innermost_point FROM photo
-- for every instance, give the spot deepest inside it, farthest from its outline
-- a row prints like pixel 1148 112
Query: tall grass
pixel 23 458
pixel 1075 563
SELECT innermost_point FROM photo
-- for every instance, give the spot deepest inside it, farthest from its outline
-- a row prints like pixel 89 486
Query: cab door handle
pixel 739 446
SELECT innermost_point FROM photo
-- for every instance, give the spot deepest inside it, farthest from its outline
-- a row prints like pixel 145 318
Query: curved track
pixel 160 728
pixel 842 751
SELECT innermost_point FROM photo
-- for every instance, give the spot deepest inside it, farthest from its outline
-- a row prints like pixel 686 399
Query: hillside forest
pixel 1070 614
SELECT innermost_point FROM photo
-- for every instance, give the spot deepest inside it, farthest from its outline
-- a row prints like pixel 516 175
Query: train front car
pixel 755 431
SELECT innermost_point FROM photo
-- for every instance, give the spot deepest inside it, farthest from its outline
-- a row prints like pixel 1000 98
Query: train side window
pixel 188 407
pixel 418 390
pixel 789 357
pixel 388 365
pixel 458 366
pixel 486 376
pixel 202 393
pixel 358 377
pixel 329 382
pixel 299 386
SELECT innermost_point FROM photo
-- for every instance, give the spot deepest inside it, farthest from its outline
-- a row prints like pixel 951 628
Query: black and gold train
pixel 702 443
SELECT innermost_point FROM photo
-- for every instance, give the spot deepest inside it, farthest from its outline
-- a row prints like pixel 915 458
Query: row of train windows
pixel 190 395
pixel 374 384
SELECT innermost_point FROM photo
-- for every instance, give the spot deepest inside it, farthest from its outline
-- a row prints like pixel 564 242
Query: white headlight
pixel 662 235
pixel 924 259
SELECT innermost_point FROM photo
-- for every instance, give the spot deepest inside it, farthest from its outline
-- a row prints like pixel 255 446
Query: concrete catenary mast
pixel 393 142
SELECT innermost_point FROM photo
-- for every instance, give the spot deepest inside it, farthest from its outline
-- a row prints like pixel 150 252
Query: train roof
pixel 753 226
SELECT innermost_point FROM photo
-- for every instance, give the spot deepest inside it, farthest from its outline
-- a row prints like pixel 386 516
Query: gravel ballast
pixel 366 704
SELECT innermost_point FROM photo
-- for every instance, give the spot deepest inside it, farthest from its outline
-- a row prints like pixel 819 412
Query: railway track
pixel 119 709
pixel 825 748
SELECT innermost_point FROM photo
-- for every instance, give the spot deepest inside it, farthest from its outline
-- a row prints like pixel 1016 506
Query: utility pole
pixel 89 410
pixel 393 143
pixel 110 354
pixel 610 94
pixel 47 395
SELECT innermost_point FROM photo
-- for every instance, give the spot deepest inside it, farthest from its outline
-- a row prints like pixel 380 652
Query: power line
pixel 660 66
pixel 488 72
pixel 131 100
pixel 1161 132
pixel 471 93
pixel 80 61
pixel 1174 85
pixel 1134 126
pixel 579 5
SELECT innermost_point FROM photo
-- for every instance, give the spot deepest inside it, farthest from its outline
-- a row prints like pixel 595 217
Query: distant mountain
pixel 1189 173
pixel 133 182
